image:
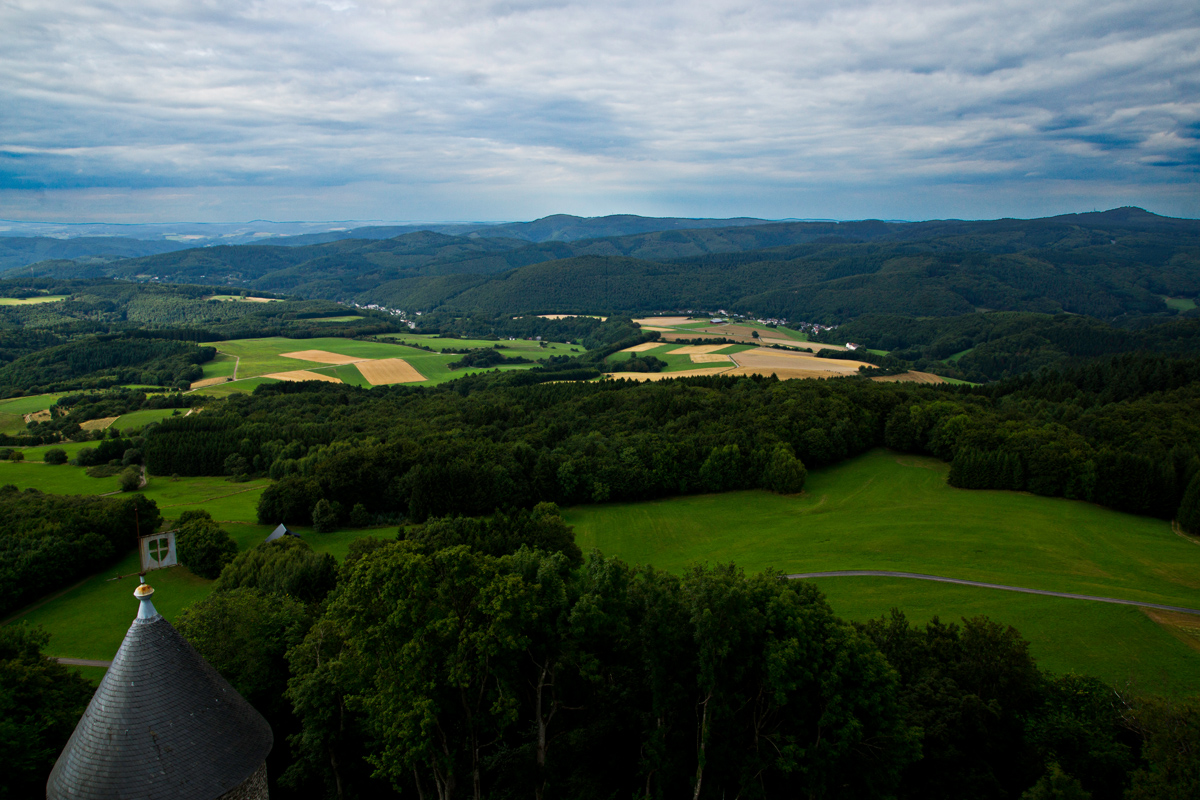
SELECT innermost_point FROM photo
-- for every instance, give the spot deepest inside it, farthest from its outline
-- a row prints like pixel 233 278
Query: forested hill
pixel 1110 264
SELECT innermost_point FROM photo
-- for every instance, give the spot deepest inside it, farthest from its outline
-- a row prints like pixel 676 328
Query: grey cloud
pixel 603 102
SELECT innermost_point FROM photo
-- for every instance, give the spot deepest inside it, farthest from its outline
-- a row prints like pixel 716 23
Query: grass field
pixel 12 424
pixel 139 419
pixel 220 367
pixel 38 453
pixel 1179 303
pixel 224 500
pixel 29 301
pixel 891 512
pixel 54 478
pixel 30 404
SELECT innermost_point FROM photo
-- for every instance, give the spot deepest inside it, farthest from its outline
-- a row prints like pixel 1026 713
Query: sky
pixel 223 110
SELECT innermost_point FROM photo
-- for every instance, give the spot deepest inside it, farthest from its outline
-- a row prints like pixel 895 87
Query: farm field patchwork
pixel 360 363
pixel 887 511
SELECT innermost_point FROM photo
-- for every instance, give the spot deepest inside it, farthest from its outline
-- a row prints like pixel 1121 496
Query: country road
pixel 872 573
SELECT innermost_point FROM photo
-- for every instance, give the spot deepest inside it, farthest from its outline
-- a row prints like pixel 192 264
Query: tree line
pixel 49 541
pixel 479 444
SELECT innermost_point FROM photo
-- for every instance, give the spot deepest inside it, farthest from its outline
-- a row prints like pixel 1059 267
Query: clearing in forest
pixel 97 424
pixel 321 357
pixel 389 370
pixel 302 375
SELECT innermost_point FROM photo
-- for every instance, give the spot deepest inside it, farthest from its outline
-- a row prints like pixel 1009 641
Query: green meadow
pixel 1179 303
pixel 135 420
pixel 886 511
pixel 54 478
pixel 29 301
pixel 221 366
pixel 30 404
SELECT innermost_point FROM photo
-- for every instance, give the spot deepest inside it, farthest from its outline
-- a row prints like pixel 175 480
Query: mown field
pixel 886 511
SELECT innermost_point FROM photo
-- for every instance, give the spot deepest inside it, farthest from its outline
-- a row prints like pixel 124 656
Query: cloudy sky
pixel 222 110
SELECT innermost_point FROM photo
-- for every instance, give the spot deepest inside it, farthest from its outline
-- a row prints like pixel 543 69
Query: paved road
pixel 872 573
pixel 83 662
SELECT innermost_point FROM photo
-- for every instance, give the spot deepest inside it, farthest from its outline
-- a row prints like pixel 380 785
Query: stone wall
pixel 253 788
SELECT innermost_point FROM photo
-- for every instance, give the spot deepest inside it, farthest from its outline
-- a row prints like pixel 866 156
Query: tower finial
pixel 144 592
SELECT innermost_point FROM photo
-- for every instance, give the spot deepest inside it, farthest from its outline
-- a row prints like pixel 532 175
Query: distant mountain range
pixel 1105 264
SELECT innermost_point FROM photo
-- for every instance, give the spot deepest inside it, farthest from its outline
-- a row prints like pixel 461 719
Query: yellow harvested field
pixel 302 375
pixel 97 424
pixel 710 358
pixel 389 370
pixel 666 376
pixel 643 347
pixel 662 320
pixel 209 382
pixel 767 362
pixel 38 416
pixel 910 377
pixel 322 357
pixel 654 328
pixel 570 316
pixel 696 349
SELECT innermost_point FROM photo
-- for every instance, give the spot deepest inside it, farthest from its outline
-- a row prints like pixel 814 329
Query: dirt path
pixel 871 573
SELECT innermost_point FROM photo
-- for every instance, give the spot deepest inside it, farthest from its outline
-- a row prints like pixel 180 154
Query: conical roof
pixel 163 725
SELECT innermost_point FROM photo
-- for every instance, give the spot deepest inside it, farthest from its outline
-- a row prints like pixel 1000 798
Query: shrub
pixel 325 518
pixel 55 456
pixel 785 474
pixel 130 479
pixel 204 547
pixel 285 566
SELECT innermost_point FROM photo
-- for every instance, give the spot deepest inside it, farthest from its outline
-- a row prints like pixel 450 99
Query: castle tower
pixel 163 725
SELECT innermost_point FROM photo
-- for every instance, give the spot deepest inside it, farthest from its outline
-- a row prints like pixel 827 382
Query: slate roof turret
pixel 163 725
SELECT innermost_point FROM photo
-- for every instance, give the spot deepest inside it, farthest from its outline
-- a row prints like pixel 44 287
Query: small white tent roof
pixel 280 532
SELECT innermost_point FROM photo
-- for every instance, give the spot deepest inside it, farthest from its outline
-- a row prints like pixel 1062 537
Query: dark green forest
pixel 1108 265
pixel 50 541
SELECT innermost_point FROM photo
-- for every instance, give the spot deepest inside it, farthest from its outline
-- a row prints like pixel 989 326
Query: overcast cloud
pixel 221 110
